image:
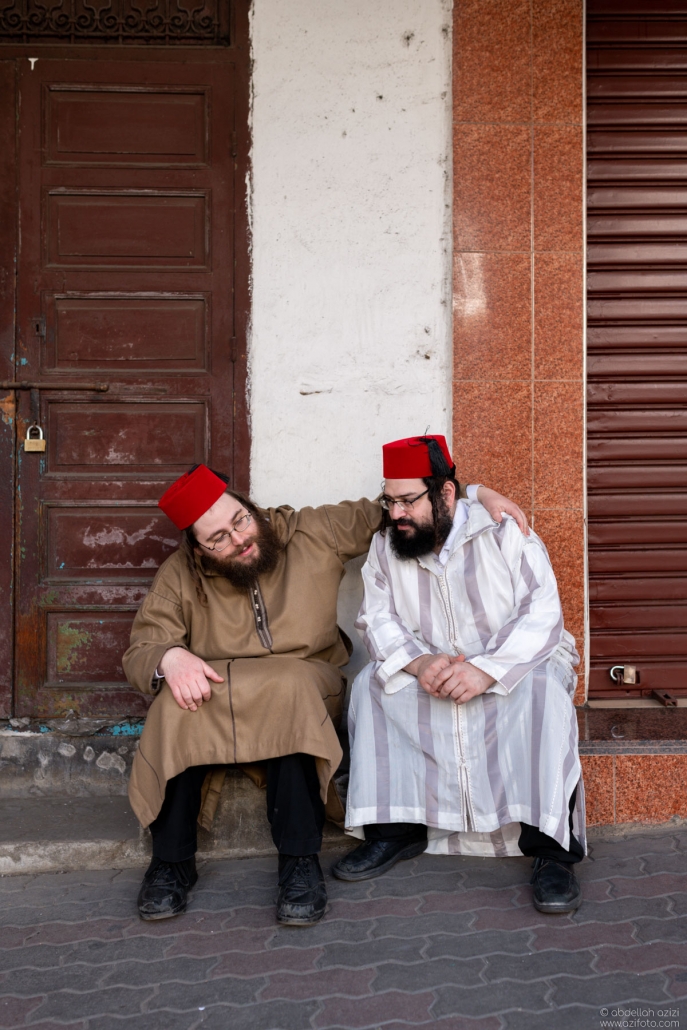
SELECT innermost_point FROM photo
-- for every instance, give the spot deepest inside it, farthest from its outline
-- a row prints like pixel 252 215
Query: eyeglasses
pixel 406 505
pixel 224 539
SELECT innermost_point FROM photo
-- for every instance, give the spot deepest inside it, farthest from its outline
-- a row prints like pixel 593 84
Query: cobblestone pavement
pixel 445 942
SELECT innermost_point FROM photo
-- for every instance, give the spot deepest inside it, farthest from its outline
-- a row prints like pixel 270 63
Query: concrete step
pixel 64 834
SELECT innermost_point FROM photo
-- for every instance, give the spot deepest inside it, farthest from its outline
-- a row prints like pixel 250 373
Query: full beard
pixel 243 574
pixel 426 535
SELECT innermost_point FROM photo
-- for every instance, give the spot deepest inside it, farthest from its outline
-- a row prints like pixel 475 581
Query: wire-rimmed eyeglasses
pixel 224 539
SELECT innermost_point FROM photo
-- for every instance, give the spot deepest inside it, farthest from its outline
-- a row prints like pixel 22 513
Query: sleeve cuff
pixel 471 491
pixel 493 669
pixel 399 659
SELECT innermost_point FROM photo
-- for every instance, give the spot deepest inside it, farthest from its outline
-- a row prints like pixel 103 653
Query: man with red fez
pixel 463 731
pixel 238 639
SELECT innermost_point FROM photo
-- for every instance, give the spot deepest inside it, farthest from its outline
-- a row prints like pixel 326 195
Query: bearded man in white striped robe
pixel 463 731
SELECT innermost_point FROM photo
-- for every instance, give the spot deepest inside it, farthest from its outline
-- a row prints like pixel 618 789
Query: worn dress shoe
pixel 556 888
pixel 165 888
pixel 374 857
pixel 302 894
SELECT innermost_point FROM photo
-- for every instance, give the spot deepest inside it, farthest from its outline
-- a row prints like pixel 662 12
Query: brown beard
pixel 242 575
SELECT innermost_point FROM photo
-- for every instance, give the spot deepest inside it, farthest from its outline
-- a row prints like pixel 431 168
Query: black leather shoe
pixel 302 896
pixel 556 888
pixel 374 857
pixel 165 888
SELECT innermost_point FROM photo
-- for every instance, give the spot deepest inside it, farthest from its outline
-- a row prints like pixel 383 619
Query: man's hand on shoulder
pixel 496 503
pixel 187 677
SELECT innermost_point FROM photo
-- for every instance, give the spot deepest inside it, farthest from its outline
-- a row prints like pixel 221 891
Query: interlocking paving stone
pixel 14 1011
pixel 539 965
pixel 148 1021
pixel 577 1017
pixel 142 974
pixel 422 925
pixel 619 910
pixel 610 989
pixel 365 1012
pixel 668 863
pixel 353 983
pixel 471 900
pixel 499 997
pixel 269 1015
pixel 426 975
pixel 657 929
pixel 470 945
pixel 650 887
pixel 440 941
pixel 115 1001
pixel 370 953
pixel 642 958
pixel 568 936
pixel 226 990
pixel 297 960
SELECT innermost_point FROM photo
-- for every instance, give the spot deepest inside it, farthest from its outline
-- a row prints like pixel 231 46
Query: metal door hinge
pixel 234 145
pixel 233 348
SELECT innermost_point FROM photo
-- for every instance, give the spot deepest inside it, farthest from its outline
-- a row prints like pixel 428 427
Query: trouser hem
pixel 299 848
pixel 175 855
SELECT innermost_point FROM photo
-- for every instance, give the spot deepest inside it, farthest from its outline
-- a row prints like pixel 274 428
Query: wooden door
pixel 126 320
pixel 637 357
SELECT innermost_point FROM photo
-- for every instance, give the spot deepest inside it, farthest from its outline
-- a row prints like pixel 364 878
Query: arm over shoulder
pixel 351 526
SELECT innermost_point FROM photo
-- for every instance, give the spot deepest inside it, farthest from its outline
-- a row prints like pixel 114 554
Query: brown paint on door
pixel 132 256
pixel 637 354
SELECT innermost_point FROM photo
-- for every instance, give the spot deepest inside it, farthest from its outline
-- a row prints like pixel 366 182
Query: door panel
pixel 126 281
pixel 637 345
pixel 8 256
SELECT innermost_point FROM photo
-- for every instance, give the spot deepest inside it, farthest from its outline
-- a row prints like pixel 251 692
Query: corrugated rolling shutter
pixel 637 354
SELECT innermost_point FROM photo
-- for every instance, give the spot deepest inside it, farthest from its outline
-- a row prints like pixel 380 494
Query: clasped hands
pixel 449 676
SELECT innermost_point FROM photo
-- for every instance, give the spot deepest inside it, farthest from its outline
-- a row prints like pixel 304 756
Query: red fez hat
pixel 409 458
pixel 191 496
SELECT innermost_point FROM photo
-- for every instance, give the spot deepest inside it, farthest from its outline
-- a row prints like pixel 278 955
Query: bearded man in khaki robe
pixel 238 638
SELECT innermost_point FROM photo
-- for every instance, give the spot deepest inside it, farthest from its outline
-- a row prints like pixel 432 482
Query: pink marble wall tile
pixel 558 444
pixel 650 788
pixel 597 772
pixel 492 316
pixel 491 66
pixel 492 441
pixel 557 46
pixel 491 168
pixel 558 315
pixel 563 534
pixel 558 198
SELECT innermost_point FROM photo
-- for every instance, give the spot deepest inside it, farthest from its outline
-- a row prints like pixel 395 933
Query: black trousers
pixel 294 809
pixel 532 842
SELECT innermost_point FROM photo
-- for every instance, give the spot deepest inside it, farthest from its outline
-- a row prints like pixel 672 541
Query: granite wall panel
pixel 518 268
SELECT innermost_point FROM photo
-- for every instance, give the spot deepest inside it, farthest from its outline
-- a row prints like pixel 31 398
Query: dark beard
pixel 243 575
pixel 426 537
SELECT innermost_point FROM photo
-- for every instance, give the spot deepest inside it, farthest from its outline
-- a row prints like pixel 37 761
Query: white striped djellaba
pixel 471 772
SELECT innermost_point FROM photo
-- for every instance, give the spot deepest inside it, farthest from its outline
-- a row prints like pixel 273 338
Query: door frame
pixel 238 53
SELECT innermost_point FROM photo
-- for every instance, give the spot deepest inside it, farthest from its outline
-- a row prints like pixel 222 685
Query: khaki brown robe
pixel 277 647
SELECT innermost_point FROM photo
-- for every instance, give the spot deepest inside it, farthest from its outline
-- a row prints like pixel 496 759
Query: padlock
pixel 625 675
pixel 35 440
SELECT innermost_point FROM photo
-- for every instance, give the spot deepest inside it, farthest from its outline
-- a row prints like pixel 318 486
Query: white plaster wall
pixel 350 341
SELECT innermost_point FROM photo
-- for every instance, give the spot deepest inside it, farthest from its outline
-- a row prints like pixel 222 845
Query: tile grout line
pixel 532 357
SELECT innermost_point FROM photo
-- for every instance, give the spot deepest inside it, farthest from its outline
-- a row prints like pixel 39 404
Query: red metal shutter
pixel 637 343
